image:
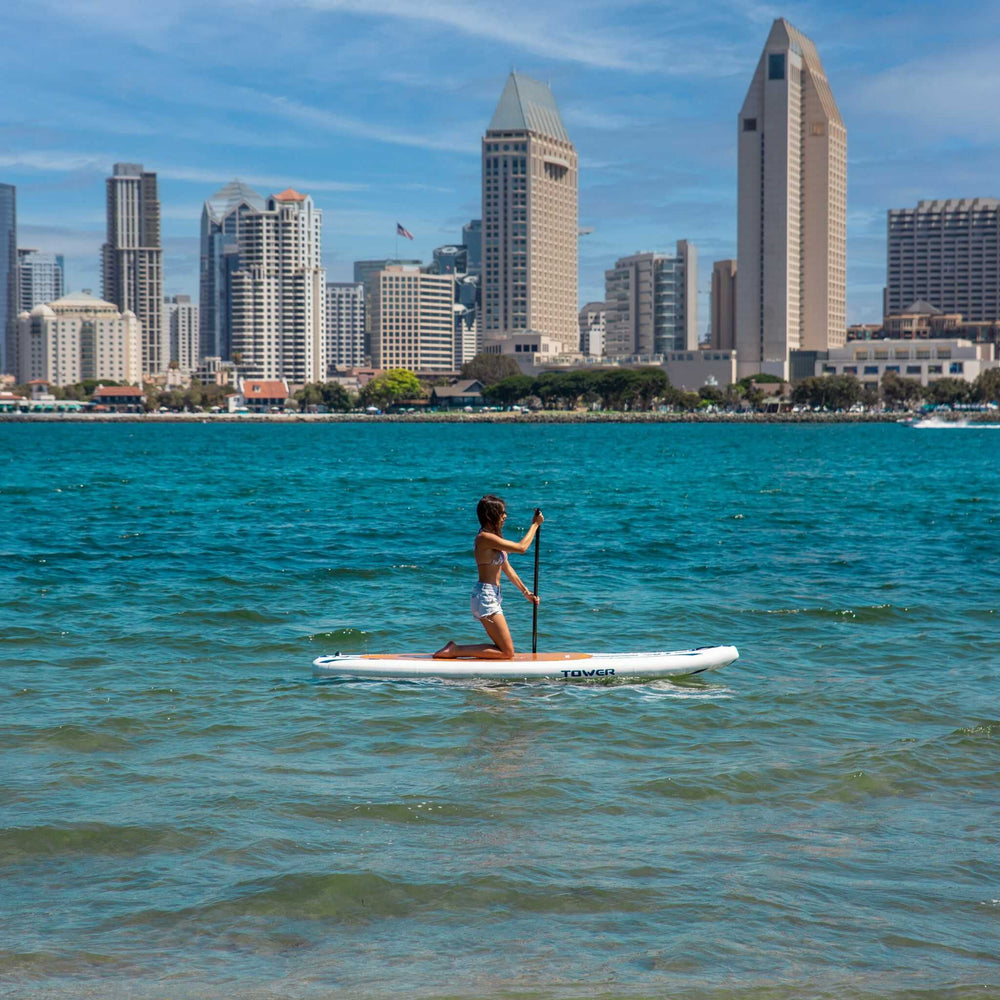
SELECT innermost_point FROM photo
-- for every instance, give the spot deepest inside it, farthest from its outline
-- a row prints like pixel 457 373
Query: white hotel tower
pixel 792 215
pixel 279 292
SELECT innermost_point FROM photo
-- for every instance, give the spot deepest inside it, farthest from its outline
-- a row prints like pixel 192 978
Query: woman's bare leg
pixel 502 647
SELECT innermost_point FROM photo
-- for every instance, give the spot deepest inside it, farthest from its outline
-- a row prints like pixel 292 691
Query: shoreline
pixel 538 417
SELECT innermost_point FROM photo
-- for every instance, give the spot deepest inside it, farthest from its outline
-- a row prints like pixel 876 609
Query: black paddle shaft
pixel 534 613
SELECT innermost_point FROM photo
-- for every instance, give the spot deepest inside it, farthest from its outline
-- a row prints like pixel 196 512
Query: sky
pixel 376 109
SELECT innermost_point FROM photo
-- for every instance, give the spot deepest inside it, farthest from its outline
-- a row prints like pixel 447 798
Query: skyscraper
pixel 413 319
pixel 40 278
pixel 181 320
pixel 132 258
pixel 345 325
pixel 792 215
pixel 529 219
pixel 222 220
pixel 946 253
pixel 472 240
pixel 724 305
pixel 279 292
pixel 8 278
pixel 652 303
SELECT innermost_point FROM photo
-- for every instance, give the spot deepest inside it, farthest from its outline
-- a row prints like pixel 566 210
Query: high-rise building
pixel 529 222
pixel 413 320
pixel 450 260
pixel 222 220
pixel 472 240
pixel 946 253
pixel 652 303
pixel 40 278
pixel 365 271
pixel 132 258
pixel 792 215
pixel 181 318
pixel 8 278
pixel 467 311
pixel 593 326
pixel 723 330
pixel 79 337
pixel 345 325
pixel 278 295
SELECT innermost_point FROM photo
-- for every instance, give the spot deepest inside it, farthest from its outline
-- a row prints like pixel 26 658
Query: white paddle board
pixel 528 666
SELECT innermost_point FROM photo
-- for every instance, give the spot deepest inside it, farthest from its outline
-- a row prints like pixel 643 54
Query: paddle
pixel 534 612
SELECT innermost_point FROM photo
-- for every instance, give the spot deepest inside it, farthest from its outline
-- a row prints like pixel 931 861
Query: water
pixel 186 812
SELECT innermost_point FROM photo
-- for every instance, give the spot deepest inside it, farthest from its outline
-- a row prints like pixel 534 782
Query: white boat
pixel 528 666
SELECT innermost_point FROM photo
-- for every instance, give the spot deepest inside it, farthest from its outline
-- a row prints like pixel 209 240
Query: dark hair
pixel 489 510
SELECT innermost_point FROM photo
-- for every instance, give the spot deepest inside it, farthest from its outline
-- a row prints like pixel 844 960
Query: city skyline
pixel 363 118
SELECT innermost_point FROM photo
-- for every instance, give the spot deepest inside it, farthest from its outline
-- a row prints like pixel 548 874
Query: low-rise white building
pixel 924 360
pixel 79 337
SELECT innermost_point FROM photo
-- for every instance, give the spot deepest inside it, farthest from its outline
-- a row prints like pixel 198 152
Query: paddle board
pixel 529 666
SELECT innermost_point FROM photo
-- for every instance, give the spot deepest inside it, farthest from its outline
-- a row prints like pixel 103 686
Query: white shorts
pixel 485 600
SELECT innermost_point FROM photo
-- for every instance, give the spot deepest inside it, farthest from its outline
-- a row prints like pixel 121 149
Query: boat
pixel 574 667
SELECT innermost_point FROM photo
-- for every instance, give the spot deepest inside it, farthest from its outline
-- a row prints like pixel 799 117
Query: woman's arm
pixel 506 545
pixel 516 580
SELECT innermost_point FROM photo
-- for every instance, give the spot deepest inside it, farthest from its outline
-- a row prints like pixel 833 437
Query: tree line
pixel 604 388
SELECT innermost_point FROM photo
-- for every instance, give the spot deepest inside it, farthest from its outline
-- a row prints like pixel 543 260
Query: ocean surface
pixel 186 812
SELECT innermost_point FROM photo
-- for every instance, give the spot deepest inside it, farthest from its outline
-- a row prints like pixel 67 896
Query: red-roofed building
pixel 289 194
pixel 261 395
pixel 119 398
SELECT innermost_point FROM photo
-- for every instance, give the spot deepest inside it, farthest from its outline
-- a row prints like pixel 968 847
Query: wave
pixel 359 898
pixel 97 839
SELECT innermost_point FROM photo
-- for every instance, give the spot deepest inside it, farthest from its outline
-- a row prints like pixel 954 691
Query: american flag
pixel 403 231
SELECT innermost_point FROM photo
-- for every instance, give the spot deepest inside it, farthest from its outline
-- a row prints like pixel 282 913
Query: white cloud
pixel 60 161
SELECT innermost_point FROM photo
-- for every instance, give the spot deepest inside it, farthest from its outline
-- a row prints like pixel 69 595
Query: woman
pixel 490 551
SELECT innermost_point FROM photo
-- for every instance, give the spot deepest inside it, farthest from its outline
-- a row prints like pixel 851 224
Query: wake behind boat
pixel 575 666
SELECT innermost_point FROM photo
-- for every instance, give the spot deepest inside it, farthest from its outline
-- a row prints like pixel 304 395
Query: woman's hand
pixel 538 518
pixel 534 598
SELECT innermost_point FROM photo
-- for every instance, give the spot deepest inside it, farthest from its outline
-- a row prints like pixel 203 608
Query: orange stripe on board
pixel 517 658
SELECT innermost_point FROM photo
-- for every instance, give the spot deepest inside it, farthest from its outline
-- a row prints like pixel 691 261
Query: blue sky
pixel 377 109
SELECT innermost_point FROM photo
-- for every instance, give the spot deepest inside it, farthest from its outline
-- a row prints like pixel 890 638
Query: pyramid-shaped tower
pixel 530 184
pixel 792 215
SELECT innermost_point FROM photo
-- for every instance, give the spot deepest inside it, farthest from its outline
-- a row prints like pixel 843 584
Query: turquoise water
pixel 186 812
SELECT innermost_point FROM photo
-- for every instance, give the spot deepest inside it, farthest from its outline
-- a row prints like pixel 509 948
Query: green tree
pixel 986 388
pixel 508 391
pixel 835 392
pixel 490 368
pixel 391 386
pixel 617 387
pixel 899 393
pixel 948 391
pixel 760 378
pixel 652 384
pixel 712 394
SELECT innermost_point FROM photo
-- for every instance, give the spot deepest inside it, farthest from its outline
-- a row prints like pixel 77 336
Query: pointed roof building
pixel 792 214
pixel 527 105
pixel 229 196
pixel 529 227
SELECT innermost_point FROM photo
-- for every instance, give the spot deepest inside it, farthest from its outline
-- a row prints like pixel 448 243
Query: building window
pixel 955 368
pixel 749 124
pixel 776 66
pixel 871 369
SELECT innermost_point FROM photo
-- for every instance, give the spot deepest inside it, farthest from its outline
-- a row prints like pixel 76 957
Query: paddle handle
pixel 534 612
